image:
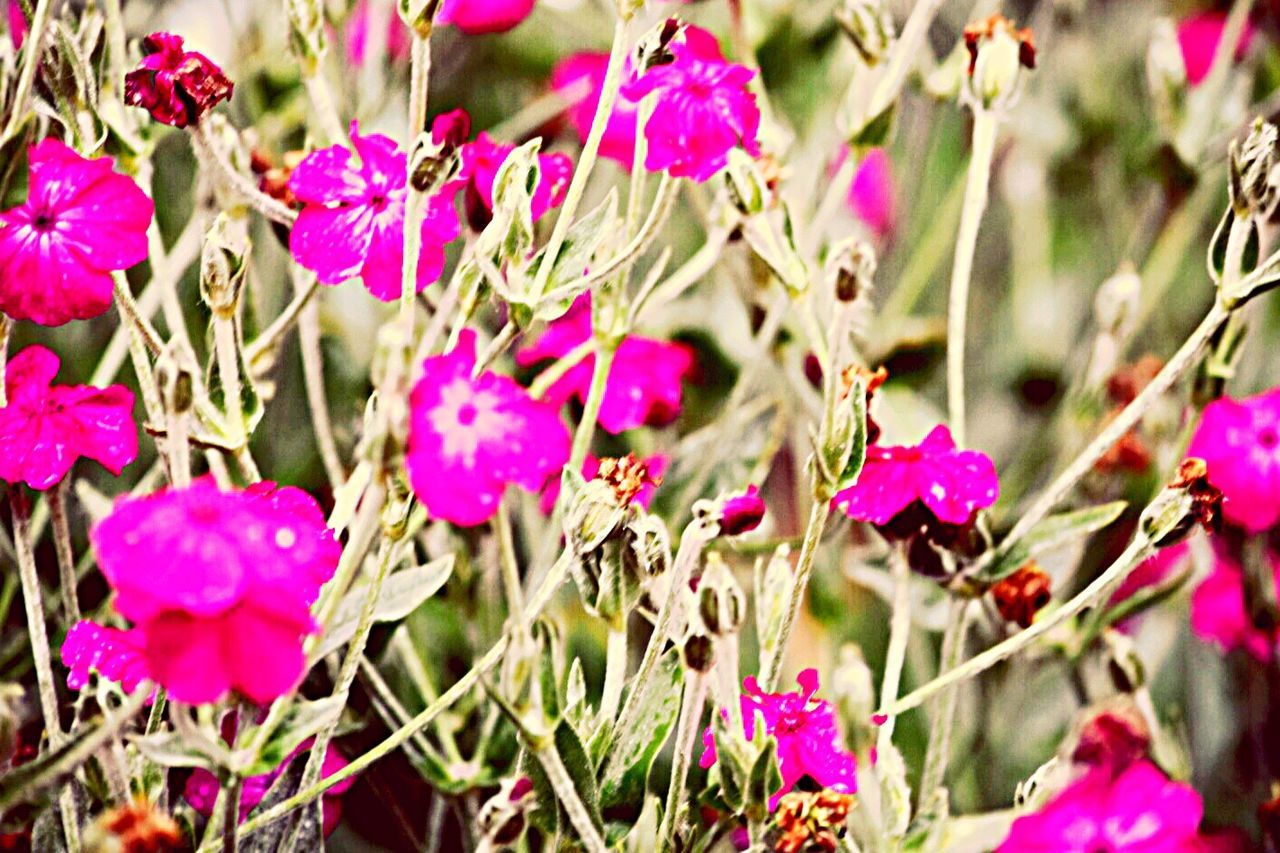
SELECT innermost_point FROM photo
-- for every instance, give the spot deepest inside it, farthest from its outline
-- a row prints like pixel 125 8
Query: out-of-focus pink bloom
pixel 1199 35
pixel 81 221
pixel 46 428
pixel 218 584
pixel 353 220
pixel 356 35
pixel 644 380
pixel 176 86
pixel 481 160
pixel 469 438
pixel 1219 614
pixel 1239 440
pixel 656 465
pixel 809 742
pixel 114 654
pixel 1139 810
pixel 202 787
pixel 872 193
pixel 1151 572
pixel 17 24
pixel 703 109
pixel 742 512
pixel 953 484
pixel 579 78
pixel 484 16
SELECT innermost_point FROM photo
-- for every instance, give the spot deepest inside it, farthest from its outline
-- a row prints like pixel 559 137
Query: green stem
pixel 559 368
pixel 615 674
pixel 317 399
pixel 804 569
pixel 231 816
pixel 508 564
pixel 62 545
pixel 690 723
pixel 938 751
pixel 33 47
pixel 899 632
pixel 588 836
pixel 228 358
pixel 605 352
pixel 210 153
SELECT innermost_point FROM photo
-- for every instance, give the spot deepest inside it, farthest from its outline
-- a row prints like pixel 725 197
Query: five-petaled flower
pixel 1239 440
pixel 176 86
pixel 472 436
pixel 45 428
pixel 80 222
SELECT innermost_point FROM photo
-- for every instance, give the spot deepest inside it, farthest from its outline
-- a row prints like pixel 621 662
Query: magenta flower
pixel 1240 442
pixel 218 584
pixel 114 654
pixel 1151 572
pixel 1139 810
pixel 579 79
pixel 470 437
pixel 809 742
pixel 952 484
pixel 1219 614
pixel 356 35
pixel 1199 35
pixel 872 193
pixel 352 223
pixel 176 86
pixel 81 221
pixel 481 160
pixel 17 25
pixel 742 512
pixel 656 465
pixel 484 16
pixel 46 428
pixel 644 385
pixel 703 109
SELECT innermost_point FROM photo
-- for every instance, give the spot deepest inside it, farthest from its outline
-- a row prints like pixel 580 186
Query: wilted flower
pixel 138 827
pixel 1239 440
pixel 1021 595
pixel 1220 612
pixel 481 160
pixel 654 466
pixel 872 193
pixel 580 78
pixel 112 653
pixel 644 380
pixel 812 820
pixel 353 221
pixel 45 428
pixel 356 35
pixel 484 16
pixel 998 51
pixel 81 221
pixel 469 438
pixel 219 584
pixel 742 512
pixel 176 86
pixel 1113 740
pixel 1199 35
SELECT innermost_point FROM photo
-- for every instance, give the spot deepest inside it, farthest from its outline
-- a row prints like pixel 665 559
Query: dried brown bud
pixel 1129 380
pixel 1130 453
pixel 873 379
pixel 1113 739
pixel 977 33
pixel 135 828
pixel 627 476
pixel 812 821
pixel 1193 475
pixel 1021 595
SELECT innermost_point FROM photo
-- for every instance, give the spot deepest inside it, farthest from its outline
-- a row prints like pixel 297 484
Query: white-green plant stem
pixel 615 673
pixel 985 125
pixel 690 723
pixel 508 564
pixel 904 53
pixel 306 287
pixel 227 354
pixel 317 398
pixel 938 750
pixel 605 351
pixel 556 371
pixel 899 633
pixel 33 47
pixel 210 152
pixel 818 514
pixel 62 545
pixel 588 836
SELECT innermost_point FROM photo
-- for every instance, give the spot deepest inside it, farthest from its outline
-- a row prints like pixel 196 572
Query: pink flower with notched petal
pixel 644 385
pixel 1239 440
pixel 470 437
pixel 703 109
pixel 1199 35
pixel 1139 810
pixel 175 85
pixel 872 194
pixel 80 222
pixel 809 742
pixel 219 584
pixel 655 464
pixel 352 223
pixel 356 35
pixel 952 483
pixel 46 428
pixel 113 654
pixel 484 16
pixel 580 79
pixel 481 160
pixel 1219 614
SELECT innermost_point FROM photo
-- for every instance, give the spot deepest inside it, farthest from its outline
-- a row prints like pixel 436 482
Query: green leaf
pixel 168 749
pixel 1052 532
pixel 568 278
pixel 875 131
pixel 855 453
pixel 401 594
pixel 633 751
pixel 301 721
pixel 765 779
pixel 581 773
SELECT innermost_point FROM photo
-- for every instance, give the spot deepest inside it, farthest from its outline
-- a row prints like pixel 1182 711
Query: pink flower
pixel 80 222
pixel 484 16
pixel 703 109
pixel 742 512
pixel 218 584
pixel 46 428
pixel 114 654
pixel 644 381
pixel 872 194
pixel 17 24
pixel 353 220
pixel 656 465
pixel 1219 614
pixel 470 437
pixel 1240 442
pixel 952 484
pixel 579 79
pixel 1151 572
pixel 1139 810
pixel 1199 35
pixel 809 742
pixel 481 160
pixel 356 39
pixel 176 86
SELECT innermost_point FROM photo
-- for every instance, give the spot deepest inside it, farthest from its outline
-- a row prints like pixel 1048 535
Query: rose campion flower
pixel 219 584
pixel 742 513
pixel 1219 614
pixel 114 654
pixel 1199 35
pixel 484 16
pixel 703 109
pixel 872 194
pixel 809 742
pixel 1139 810
pixel 469 438
pixel 352 223
pixel 655 464
pixel 17 24
pixel 481 160
pixel 1240 442
pixel 356 35
pixel 953 484
pixel 80 222
pixel 579 78
pixel 46 427
pixel 176 86
pixel 644 385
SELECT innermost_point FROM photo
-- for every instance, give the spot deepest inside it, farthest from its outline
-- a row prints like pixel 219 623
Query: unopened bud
pixel 748 186
pixel 1021 595
pixel 175 381
pixel 1255 176
pixel 741 512
pixel 851 269
pixel 721 603
pixel 997 54
pixel 647 551
pixel 419 15
pixel 435 159
pixel 593 515
pixel 222 263
pixel 503 818
pixel 1114 738
pixel 654 47
pixel 699 652
pixel 869 26
pixel 134 828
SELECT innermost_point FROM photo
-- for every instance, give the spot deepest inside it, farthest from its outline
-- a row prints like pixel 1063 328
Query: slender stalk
pixel 6 329
pixel 605 352
pixel 668 189
pixel 212 156
pixel 938 751
pixel 804 569
pixel 231 816
pixel 228 358
pixel 690 723
pixel 269 339
pixel 899 632
pixel 33 599
pixel 33 47
pixel 559 368
pixel 62 544
pixel 615 674
pixel 588 836
pixel 317 399
pixel 322 102
pixel 902 55
pixel 419 88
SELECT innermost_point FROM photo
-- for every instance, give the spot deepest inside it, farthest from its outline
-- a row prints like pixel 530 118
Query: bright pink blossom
pixel 113 654
pixel 656 465
pixel 17 24
pixel 742 513
pixel 481 160
pixel 580 78
pixel 644 385
pixel 46 427
pixel 470 437
pixel 353 220
pixel 219 584
pixel 176 86
pixel 484 16
pixel 1139 810
pixel 1219 613
pixel 356 35
pixel 1239 440
pixel 872 193
pixel 703 109
pixel 81 221
pixel 1199 35
pixel 952 483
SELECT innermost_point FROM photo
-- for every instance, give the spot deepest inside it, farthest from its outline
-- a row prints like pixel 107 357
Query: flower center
pixel 1269 438
pixel 43 221
pixel 467 414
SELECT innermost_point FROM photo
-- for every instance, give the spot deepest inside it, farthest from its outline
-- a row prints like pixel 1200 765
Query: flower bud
pixel 647 551
pixel 653 48
pixel 1189 500
pixel 222 267
pixel 997 54
pixel 698 651
pixel 1021 595
pixel 593 515
pixel 175 381
pixel 419 15
pixel 1255 175
pixel 851 269
pixel 503 818
pixel 435 159
pixel 741 512
pixel 869 26
pixel 748 186
pixel 721 603
pixel 1113 739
